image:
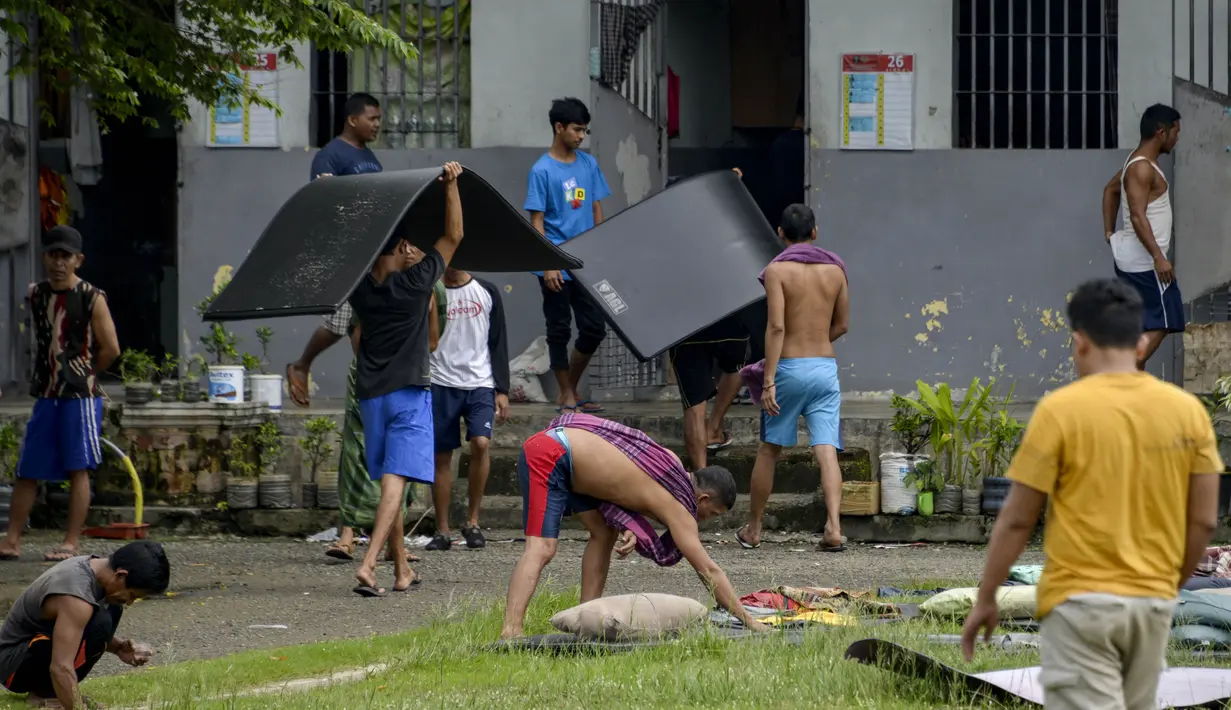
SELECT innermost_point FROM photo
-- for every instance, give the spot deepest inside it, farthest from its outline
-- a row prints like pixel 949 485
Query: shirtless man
pixel 1140 193
pixel 808 311
pixel 612 478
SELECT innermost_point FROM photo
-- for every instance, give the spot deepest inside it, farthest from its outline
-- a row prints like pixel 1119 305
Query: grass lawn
pixel 443 666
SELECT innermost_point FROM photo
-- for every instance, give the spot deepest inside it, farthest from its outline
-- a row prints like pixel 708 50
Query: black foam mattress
pixel 326 237
pixel 678 261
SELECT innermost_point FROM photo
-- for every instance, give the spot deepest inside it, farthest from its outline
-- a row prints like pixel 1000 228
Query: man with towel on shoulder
pixel 613 478
pixel 806 294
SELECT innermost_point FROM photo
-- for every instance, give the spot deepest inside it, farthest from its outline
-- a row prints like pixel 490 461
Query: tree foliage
pixel 179 52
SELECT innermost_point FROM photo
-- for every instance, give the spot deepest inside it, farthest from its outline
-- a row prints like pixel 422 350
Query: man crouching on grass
pixel 63 623
pixel 612 477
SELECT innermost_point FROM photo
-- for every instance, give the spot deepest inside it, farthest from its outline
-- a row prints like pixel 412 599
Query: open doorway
pixel 737 70
pixel 122 197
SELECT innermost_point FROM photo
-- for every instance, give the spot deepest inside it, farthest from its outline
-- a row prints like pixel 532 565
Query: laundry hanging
pixel 622 27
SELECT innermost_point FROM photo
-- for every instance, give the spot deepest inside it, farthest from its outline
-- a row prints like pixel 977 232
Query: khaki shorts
pixel 1104 652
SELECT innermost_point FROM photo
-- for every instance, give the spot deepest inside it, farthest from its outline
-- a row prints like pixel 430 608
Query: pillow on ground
pixel 1195 636
pixel 630 616
pixel 1014 602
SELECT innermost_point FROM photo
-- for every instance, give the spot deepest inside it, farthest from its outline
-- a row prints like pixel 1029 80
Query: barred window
pixel 1035 74
pixel 425 101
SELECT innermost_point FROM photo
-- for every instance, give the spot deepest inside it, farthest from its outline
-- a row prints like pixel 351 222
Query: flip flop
pixel 292 383
pixel 409 558
pixel 727 440
pixel 59 555
pixel 822 547
pixel 10 556
pixel 368 592
pixel 595 409
pixel 341 552
pixel 739 537
pixel 413 583
pixel 566 410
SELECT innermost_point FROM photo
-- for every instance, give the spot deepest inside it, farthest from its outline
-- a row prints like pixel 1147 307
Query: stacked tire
pixel 995 490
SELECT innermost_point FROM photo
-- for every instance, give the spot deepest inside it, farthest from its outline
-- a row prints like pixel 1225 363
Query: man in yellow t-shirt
pixel 1131 466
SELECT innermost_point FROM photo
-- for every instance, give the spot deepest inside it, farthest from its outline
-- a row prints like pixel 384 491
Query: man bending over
pixel 61 625
pixel 612 478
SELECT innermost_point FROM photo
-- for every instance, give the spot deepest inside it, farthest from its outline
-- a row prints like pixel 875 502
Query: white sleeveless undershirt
pixel 1126 248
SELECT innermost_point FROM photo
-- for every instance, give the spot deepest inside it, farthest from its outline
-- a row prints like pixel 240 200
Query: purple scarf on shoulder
pixel 753 375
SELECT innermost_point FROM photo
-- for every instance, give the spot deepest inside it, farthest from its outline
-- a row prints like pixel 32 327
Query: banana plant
pixel 955 429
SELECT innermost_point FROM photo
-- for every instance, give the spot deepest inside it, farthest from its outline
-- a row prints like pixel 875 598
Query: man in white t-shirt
pixel 470 383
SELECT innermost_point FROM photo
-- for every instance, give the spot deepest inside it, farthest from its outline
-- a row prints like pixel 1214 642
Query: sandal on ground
pixel 727 440
pixel 341 552
pixel 60 554
pixel 739 537
pixel 588 406
pixel 474 537
pixel 414 582
pixel 439 543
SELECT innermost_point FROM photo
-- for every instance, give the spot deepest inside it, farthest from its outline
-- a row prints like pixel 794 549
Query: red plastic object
pixel 119 531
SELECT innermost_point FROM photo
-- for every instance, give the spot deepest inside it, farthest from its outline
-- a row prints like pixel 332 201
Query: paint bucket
pixel 267 388
pixel 226 384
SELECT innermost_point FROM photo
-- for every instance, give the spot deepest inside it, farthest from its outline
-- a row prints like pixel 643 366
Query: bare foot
pixel 367 578
pixel 509 634
pixel 10 552
pixel 746 539
pixel 402 583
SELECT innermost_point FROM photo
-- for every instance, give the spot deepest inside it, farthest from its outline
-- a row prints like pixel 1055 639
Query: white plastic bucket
pixel 267 388
pixel 896 497
pixel 226 384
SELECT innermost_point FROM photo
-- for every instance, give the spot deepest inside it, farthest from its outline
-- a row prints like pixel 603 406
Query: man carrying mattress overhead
pixel 614 478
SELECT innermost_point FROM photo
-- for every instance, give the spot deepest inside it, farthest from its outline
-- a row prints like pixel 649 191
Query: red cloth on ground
pixel 766 599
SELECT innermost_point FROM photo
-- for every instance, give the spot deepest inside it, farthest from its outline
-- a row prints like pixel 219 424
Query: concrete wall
pixel 923 28
pixel 945 285
pixel 294 98
pixel 221 217
pixel 1202 183
pixel 699 52
pixel 523 55
pixel 961 278
pixel 1193 50
pixel 625 142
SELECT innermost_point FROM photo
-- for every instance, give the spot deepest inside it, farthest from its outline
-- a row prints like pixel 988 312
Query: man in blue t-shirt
pixel 349 154
pixel 563 198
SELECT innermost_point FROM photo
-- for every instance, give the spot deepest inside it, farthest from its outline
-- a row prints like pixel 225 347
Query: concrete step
pixel 796 471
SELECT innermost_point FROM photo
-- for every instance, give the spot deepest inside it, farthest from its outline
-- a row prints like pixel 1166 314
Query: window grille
pixel 1035 74
pixel 425 101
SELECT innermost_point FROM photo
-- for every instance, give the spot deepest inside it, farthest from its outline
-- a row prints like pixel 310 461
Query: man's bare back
pixel 602 471
pixel 814 300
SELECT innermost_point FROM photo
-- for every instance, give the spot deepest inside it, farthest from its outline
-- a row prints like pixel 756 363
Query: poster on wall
pixel 878 101
pixel 248 126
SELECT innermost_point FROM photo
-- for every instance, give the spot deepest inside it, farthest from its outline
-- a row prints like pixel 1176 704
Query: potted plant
pixel 251 365
pixel 226 378
pixel 275 488
pixel 241 477
pixel 137 370
pixel 316 446
pixel 9 446
pixel 955 431
pixel 265 387
pixel 1001 438
pixel 169 379
pixel 194 367
pixel 928 480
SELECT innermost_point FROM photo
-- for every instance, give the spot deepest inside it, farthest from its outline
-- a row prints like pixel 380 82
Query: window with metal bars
pixel 425 101
pixel 1035 74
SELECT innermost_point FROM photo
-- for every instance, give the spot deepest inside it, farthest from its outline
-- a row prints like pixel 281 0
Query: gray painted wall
pixel 1202 182
pixel 960 262
pixel 229 196
pixel 625 141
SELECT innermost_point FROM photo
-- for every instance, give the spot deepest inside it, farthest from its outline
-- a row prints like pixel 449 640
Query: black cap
pixel 62 237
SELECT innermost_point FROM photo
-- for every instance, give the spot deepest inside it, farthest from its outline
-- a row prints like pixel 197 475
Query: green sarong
pixel 358 494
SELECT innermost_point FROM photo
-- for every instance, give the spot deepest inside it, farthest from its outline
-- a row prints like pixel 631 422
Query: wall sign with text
pixel 878 101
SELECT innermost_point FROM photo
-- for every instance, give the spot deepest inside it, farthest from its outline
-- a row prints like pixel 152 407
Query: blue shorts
pixel 807 387
pixel 545 474
pixel 63 435
pixel 477 407
pixel 397 434
pixel 1163 306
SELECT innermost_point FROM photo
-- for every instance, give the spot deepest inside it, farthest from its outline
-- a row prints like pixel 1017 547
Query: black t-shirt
pixel 393 342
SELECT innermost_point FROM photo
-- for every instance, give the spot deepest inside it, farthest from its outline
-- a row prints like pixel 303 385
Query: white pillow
pixel 630 616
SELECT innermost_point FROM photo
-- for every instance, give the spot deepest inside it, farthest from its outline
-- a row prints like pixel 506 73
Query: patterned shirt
pixel 660 464
pixel 64 336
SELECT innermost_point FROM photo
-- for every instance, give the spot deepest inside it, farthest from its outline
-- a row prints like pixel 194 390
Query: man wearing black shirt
pixel 393 378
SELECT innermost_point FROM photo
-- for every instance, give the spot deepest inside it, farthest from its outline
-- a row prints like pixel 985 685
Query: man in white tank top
pixel 1142 196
